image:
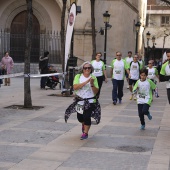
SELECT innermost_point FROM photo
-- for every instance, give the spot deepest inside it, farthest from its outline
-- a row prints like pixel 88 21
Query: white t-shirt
pixel 134 71
pixel 151 73
pixel 119 67
pixel 98 68
pixel 128 60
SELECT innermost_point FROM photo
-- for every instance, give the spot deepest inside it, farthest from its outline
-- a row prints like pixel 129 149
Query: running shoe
pixel 131 97
pixel 84 136
pixel 127 86
pixel 134 97
pixel 142 127
pixel 149 116
pixel 114 102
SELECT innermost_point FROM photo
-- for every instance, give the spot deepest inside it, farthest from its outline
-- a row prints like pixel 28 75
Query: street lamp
pixel 106 18
pixel 137 25
pixel 148 35
pixel 153 47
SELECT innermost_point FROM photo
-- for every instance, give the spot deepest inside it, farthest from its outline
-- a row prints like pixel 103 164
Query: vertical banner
pixel 69 32
pixel 164 58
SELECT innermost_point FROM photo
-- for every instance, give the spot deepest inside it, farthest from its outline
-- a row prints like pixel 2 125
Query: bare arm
pixel 95 90
pixel 111 72
pixel 104 71
pixel 80 85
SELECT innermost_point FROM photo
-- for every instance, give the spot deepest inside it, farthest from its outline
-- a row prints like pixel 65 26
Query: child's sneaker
pixel 142 127
pixel 149 116
pixel 84 136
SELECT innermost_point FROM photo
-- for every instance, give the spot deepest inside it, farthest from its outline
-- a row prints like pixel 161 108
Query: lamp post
pixel 153 47
pixel 106 18
pixel 148 35
pixel 137 25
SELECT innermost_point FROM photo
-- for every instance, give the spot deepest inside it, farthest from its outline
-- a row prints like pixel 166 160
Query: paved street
pixel 41 140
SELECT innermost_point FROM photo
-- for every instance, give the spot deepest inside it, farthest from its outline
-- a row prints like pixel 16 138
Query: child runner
pixel 152 74
pixel 144 88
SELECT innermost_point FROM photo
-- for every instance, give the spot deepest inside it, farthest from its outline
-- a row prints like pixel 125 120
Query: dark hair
pixel 167 51
pixel 46 53
pixel 129 52
pixel 6 52
pixel 144 70
pixel 98 53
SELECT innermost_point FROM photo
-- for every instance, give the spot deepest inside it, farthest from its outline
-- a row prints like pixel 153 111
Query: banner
pixel 164 58
pixel 69 32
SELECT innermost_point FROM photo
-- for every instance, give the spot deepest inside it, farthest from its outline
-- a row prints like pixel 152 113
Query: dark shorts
pixel 126 74
pixel 132 82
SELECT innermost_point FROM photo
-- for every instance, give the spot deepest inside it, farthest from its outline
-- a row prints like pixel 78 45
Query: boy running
pixel 144 88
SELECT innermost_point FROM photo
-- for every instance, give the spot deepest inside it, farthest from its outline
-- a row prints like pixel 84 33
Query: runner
pixel 134 67
pixel 142 63
pixel 165 73
pixel 152 74
pixel 128 60
pixel 144 88
pixel 99 71
pixel 86 105
pixel 118 67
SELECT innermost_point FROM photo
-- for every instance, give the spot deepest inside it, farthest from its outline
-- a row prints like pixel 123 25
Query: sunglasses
pixel 149 63
pixel 118 55
pixel 85 68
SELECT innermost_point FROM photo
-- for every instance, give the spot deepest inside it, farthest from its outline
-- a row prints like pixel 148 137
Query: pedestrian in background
pixel 43 67
pixel 141 61
pixel 143 88
pixel 165 73
pixel 7 65
pixel 128 60
pixel 152 74
pixel 86 105
pixel 99 71
pixel 118 68
pixel 134 68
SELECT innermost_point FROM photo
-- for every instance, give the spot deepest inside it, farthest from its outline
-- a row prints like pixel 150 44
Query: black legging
pixel 168 94
pixel 100 82
pixel 86 116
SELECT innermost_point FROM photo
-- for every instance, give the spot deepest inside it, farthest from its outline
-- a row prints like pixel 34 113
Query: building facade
pixel 47 21
pixel 158 25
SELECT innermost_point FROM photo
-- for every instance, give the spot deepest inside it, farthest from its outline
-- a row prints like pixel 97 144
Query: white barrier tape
pixel 29 75
pixel 42 75
pixel 11 75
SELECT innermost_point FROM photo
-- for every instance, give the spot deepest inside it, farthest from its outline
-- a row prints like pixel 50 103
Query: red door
pixel 18 38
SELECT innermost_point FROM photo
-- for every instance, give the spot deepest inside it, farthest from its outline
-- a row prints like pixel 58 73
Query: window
pixel 165 20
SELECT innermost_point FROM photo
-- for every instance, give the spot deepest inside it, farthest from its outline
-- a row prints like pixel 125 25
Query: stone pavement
pixel 41 140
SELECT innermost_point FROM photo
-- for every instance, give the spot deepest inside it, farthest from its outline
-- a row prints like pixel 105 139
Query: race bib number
pixel 79 108
pixel 142 96
pixel 97 71
pixel 118 71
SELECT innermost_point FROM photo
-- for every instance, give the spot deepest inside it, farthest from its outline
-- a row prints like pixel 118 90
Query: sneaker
pixel 120 101
pixel 82 128
pixel 127 86
pixel 134 98
pixel 142 127
pixel 114 102
pixel 149 116
pixel 84 136
pixel 131 97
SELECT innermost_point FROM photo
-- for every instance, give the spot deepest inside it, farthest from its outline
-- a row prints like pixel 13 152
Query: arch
pixel 18 6
pixel 18 38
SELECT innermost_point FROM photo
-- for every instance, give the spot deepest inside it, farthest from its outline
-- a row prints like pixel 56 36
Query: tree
pixel 27 89
pixel 93 28
pixel 63 33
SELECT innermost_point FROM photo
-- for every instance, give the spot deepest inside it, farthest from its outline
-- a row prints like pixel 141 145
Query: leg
pixel 114 91
pixel 100 82
pixel 8 81
pixel 141 115
pixel 146 111
pixel 5 83
pixel 81 120
pixel 120 89
pixel 130 88
pixel 168 94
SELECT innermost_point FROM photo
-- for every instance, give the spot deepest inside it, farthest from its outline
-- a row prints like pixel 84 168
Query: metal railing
pixel 15 44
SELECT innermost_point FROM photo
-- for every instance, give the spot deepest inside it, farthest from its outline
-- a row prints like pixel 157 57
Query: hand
pixel 129 76
pixel 106 80
pixel 92 82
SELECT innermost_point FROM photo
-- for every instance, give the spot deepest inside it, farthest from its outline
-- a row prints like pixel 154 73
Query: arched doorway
pixel 18 38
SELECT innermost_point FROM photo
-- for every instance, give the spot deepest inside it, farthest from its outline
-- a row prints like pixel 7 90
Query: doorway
pixel 18 38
